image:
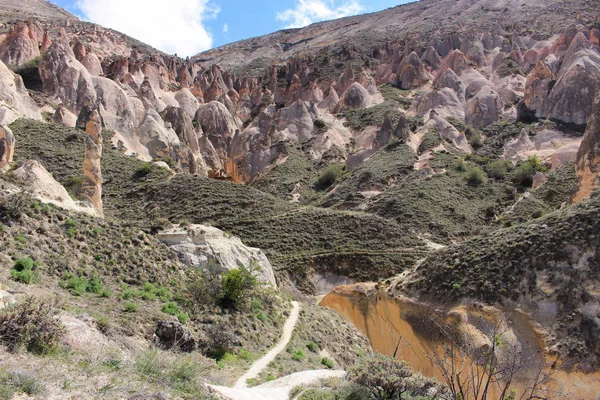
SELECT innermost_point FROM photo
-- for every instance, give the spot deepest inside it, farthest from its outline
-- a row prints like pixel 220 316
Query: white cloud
pixel 225 28
pixel 309 11
pixel 174 26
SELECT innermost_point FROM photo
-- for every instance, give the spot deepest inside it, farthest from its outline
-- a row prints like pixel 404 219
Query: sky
pixel 187 27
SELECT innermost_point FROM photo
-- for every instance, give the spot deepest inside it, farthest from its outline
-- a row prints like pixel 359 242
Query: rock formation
pixel 588 157
pixel 91 188
pixel 7 146
pixel 42 186
pixel 210 248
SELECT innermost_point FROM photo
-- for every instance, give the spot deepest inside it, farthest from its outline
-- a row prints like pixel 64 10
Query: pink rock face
pixel 91 188
pixel 571 98
pixel 455 61
pixel 66 78
pixel 7 146
pixel 411 72
pixel 355 97
pixel 588 157
pixel 19 46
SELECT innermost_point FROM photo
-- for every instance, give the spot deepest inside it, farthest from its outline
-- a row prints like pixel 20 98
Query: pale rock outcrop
pixel 411 72
pixel 355 97
pixel 431 59
pixel 91 188
pixel 19 46
pixel 7 146
pixel 65 78
pixel 41 185
pixel 330 102
pixel 14 96
pixel 537 89
pixel 518 145
pixel 65 117
pixel 82 335
pixel 114 105
pixel 588 157
pixel 345 80
pixel 148 96
pixel 456 61
pixel 368 83
pixel 157 138
pixel 539 179
pixel 218 125
pixel 297 121
pixel 445 102
pixel 571 98
pixel 188 155
pixel 484 107
pixel 210 248
pixel 449 79
pixel 92 63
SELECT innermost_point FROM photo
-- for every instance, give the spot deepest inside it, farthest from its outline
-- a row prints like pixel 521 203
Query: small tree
pixel 475 372
pixel 235 284
pixel 385 377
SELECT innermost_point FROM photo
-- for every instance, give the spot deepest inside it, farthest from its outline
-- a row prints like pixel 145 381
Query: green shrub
pixel 498 169
pixel 298 355
pixel 79 285
pixel 385 377
pixel 182 317
pixel 149 364
pixel 476 176
pixel 144 169
pixel 31 324
pixel 524 173
pixel 316 394
pixel 235 285
pixel 171 308
pixel 474 137
pixel 330 175
pixel 130 306
pixel 312 346
pixel 18 382
pixel 327 362
pixel 245 355
pixel 24 271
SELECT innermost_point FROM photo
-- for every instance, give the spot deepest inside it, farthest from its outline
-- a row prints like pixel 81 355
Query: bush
pixel 474 137
pixel 316 394
pixel 476 176
pixel 524 173
pixel 498 169
pixel 330 175
pixel 312 346
pixel 327 362
pixel 385 377
pixel 31 324
pixel 18 382
pixel 130 306
pixel 235 285
pixel 219 340
pixel 13 206
pixel 206 290
pixel 79 285
pixel 24 271
pixel 298 355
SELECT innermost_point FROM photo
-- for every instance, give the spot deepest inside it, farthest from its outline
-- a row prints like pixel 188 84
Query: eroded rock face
pixel 172 335
pixel 210 248
pixel 19 46
pixel 65 78
pixel 355 97
pixel 411 72
pixel 91 188
pixel 7 146
pixel 588 157
pixel 40 183
pixel 15 98
pixel 571 98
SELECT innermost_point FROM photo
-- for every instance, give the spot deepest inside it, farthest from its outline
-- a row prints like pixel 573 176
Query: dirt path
pixel 262 363
pixel 278 389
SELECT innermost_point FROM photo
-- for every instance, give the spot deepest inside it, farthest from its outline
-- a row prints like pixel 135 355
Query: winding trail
pixel 262 363
pixel 278 389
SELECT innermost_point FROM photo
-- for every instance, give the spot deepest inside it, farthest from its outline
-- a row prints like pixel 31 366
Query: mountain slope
pixel 417 22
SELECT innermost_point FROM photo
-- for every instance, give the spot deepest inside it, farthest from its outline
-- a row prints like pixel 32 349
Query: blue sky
pixel 187 27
